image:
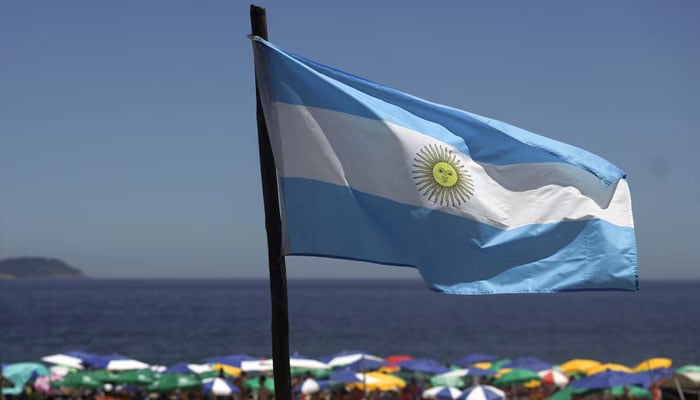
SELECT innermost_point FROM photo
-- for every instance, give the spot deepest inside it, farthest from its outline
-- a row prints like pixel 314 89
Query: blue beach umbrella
pixel 649 377
pixel 475 358
pixel 442 393
pixel 482 392
pixel 365 365
pixel 186 368
pixel 608 379
pixel 424 365
pixel 344 376
pixel 220 387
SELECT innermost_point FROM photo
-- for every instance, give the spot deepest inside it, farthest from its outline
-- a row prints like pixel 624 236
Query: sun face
pixel 440 176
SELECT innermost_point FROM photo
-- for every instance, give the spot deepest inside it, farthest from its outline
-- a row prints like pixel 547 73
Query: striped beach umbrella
pixel 220 387
pixel 442 393
pixel 310 386
pixel 554 377
pixel 482 392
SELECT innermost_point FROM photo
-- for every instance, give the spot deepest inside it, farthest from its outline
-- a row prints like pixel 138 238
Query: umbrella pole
pixel 273 227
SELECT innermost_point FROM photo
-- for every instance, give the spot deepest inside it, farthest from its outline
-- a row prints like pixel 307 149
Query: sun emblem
pixel 440 175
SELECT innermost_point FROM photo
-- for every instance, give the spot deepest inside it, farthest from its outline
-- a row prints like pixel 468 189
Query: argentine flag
pixel 478 206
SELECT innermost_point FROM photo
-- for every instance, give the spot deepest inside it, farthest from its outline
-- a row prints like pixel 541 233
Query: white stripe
pixel 376 157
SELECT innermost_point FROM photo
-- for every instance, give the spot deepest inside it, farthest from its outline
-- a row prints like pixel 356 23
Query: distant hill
pixel 37 267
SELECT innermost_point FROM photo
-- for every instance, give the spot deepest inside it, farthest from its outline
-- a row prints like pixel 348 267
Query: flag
pixel 478 206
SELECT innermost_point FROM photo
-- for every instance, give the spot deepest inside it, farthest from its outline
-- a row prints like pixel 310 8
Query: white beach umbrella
pixel 220 387
pixel 125 365
pixel 294 362
pixel 346 358
pixel 442 393
pixel 65 360
pixel 310 386
pixel 482 392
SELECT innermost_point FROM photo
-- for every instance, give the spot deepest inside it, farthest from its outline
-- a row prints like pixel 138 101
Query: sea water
pixel 167 321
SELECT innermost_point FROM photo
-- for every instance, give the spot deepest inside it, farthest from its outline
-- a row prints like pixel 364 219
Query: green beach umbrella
pixel 565 394
pixel 317 373
pixel 688 368
pixel 136 377
pixel 453 381
pixel 636 392
pixel 254 383
pixel 82 379
pixel 103 375
pixel 168 382
pixel 517 376
pixel 496 365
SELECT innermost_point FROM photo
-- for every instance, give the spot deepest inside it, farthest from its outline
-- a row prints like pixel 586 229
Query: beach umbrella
pixel 635 391
pixel 424 365
pixel 475 358
pixel 608 379
pixel 120 363
pixel 396 358
pixel 607 367
pixel 220 387
pixel 648 378
pixel 136 377
pixel 310 386
pixel 65 360
pixel 653 363
pixel 554 377
pixel 345 376
pixel 234 360
pixel 254 383
pixel 531 363
pixel 316 373
pixel 80 379
pixel 565 394
pixel 688 368
pixel 217 369
pixel 456 377
pixel 442 393
pixel 687 380
pixel 345 358
pixel 187 368
pixel 578 365
pixel 168 382
pixel 517 376
pixel 365 365
pixel 294 362
pixel 378 381
pixel 482 392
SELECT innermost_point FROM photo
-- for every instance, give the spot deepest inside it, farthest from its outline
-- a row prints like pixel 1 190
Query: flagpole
pixel 273 226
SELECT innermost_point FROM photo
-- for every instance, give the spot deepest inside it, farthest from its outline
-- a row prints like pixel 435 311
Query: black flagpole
pixel 273 226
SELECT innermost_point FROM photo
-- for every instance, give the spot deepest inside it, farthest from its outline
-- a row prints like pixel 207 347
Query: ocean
pixel 167 321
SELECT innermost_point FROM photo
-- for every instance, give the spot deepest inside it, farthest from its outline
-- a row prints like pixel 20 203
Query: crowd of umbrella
pixel 462 380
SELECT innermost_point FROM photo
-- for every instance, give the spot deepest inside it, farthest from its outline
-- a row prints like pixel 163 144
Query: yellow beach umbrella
pixel 502 372
pixel 228 369
pixel 378 381
pixel 578 365
pixel 483 365
pixel 653 363
pixel 607 367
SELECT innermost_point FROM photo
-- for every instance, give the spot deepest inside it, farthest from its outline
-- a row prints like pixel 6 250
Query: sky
pixel 128 143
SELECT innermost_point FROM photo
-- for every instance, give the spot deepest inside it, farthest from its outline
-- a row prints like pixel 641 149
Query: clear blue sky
pixel 127 128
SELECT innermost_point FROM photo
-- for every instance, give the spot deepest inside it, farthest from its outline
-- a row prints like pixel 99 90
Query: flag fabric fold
pixel 478 206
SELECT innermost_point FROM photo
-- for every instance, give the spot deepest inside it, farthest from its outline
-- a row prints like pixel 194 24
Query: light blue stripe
pixel 297 80
pixel 453 254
